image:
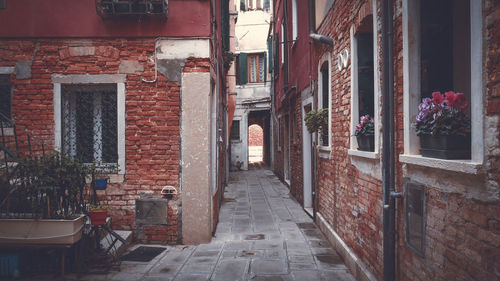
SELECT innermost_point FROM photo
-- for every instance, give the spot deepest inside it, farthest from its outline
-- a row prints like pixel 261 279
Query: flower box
pixel 445 147
pixel 41 231
pixel 366 142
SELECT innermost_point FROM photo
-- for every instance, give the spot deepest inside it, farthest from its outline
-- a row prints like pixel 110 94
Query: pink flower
pixel 450 98
pixel 437 98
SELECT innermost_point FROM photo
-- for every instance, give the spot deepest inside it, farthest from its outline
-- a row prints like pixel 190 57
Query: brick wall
pixel 255 135
pixel 152 116
pixel 462 225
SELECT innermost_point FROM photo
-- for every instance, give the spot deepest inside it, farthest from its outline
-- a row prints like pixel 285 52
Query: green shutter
pixel 266 4
pixel 270 52
pixel 243 68
pixel 242 5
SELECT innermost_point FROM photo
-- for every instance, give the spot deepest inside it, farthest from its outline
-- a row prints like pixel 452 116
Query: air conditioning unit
pixel 106 8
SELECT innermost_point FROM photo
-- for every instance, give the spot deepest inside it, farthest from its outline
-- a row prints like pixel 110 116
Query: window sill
pixel 113 178
pixel 363 154
pixel 324 152
pixel 462 166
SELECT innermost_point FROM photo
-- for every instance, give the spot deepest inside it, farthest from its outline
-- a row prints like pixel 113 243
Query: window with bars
pixel 5 96
pixel 89 122
pixel 235 130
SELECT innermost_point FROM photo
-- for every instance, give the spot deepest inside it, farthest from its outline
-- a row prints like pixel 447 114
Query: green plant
pixel 317 121
pixel 48 186
pixel 98 207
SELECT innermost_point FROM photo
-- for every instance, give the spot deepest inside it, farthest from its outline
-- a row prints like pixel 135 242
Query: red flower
pixel 459 99
pixel 437 98
pixel 450 98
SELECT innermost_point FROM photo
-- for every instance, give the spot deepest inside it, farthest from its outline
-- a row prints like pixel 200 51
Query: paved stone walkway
pixel 262 235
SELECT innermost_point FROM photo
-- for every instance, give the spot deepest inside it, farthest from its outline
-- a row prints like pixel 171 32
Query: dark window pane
pixel 84 127
pixel 5 96
pixel 436 46
pixel 109 128
pixel 325 100
pixel 365 74
pixel 235 130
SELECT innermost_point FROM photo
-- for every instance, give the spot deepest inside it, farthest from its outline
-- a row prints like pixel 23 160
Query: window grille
pixel 131 7
pixel 235 130
pixel 89 123
pixel 5 96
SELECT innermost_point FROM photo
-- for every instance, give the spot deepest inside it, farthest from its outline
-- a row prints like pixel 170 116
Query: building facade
pixel 445 221
pixel 137 86
pixel 253 99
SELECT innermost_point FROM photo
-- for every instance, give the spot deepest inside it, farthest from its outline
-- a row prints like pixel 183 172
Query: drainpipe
pixel 322 38
pixel 388 156
pixel 285 44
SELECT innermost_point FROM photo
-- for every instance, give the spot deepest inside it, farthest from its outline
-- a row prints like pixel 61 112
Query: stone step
pixel 118 248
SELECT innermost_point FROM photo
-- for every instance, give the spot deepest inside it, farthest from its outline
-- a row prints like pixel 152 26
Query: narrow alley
pixel 263 234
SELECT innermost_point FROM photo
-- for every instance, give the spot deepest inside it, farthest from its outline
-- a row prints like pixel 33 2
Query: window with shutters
pixel 251 68
pixel 256 65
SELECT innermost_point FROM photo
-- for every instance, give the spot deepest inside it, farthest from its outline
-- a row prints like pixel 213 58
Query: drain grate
pixel 143 254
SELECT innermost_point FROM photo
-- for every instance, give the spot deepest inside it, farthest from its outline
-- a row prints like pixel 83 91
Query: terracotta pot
pixel 98 217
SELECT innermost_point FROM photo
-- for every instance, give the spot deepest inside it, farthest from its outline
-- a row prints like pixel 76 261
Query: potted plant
pixel 317 121
pixel 365 133
pixel 100 174
pixel 43 201
pixel 98 214
pixel 443 126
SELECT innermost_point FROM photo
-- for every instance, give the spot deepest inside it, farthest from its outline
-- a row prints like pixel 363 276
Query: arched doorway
pixel 255 143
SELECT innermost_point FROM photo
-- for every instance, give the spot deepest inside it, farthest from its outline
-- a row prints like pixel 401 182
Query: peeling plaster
pixel 171 69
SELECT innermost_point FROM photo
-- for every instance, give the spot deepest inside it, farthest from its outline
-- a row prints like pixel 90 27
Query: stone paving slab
pixel 263 235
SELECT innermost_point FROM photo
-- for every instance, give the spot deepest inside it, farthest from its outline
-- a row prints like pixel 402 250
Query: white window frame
pixel 294 20
pixel 326 57
pixel 411 91
pixel 355 92
pixel 119 80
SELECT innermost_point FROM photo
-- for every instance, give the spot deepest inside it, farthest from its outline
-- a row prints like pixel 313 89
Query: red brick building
pixel 446 221
pixel 149 75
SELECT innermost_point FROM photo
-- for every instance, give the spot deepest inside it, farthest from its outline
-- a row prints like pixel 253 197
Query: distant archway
pixel 255 143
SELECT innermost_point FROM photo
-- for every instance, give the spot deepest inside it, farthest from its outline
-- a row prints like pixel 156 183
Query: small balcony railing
pixel 106 8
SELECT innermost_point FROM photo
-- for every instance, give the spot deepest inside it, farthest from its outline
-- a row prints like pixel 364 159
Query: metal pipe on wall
pixel 388 154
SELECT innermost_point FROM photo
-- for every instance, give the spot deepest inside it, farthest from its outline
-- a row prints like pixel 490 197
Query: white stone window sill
pixel 8 132
pixel 462 166
pixel 363 154
pixel 324 152
pixel 113 178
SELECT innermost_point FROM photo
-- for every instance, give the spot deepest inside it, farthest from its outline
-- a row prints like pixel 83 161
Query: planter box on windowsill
pixel 445 147
pixel 366 142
